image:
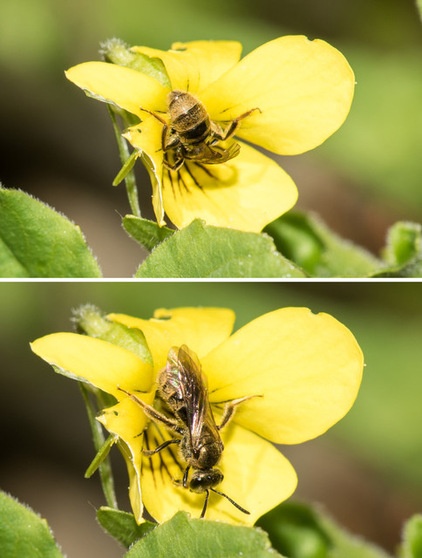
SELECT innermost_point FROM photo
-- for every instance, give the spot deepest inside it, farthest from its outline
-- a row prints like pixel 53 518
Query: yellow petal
pixel 97 362
pixel 147 138
pixel 194 65
pixel 128 89
pixel 134 472
pixel 256 476
pixel 305 368
pixel 201 329
pixel 303 89
pixel 128 421
pixel 246 193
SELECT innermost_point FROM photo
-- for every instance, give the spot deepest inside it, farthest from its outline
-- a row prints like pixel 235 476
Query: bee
pixel 190 134
pixel 183 390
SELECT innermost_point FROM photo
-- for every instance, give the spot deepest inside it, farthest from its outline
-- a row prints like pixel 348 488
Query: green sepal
pixel 91 321
pixel 147 233
pixel 101 446
pixel 128 160
pixel 183 537
pixel 126 168
pixel 122 526
pixel 412 538
pixel 201 250
pixel 118 52
pixel 301 531
pixel 100 456
pixel 310 244
pixel 23 533
pixel 36 241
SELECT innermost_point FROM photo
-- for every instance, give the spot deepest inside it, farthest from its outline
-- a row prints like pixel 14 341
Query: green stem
pixel 130 180
pixel 106 474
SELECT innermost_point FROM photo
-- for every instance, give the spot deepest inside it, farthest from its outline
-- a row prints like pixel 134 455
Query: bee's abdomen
pixel 189 119
pixel 198 133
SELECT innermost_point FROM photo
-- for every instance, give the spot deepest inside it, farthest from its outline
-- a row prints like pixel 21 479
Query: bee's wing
pixel 193 390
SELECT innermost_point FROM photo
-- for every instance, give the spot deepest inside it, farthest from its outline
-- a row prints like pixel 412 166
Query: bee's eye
pixel 204 480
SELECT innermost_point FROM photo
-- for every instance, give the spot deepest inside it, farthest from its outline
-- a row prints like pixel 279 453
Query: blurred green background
pixel 367 471
pixel 59 146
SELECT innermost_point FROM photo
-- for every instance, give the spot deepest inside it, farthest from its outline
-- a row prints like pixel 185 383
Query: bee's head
pixel 202 480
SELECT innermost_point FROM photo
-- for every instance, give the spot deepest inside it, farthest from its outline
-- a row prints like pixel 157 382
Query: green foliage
pixel 309 243
pixel 36 241
pixel 303 532
pixel 403 251
pixel 118 52
pixel 24 533
pixel 122 525
pixel 182 537
pixel 412 538
pixel 200 250
pixel 145 232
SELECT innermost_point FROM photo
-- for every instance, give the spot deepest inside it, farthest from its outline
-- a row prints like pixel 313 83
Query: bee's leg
pixel 157 116
pixel 161 446
pixel 169 139
pixel 185 477
pixel 222 134
pixel 204 509
pixel 230 408
pixel 153 414
pixel 178 160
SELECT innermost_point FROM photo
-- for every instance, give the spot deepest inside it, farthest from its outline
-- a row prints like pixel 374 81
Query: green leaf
pixel 296 238
pixel 294 530
pixel 122 525
pixel 201 250
pixel 412 538
pixel 309 243
pixel 23 533
pixel 403 251
pixel 182 537
pixel 303 532
pixel 403 243
pixel 36 241
pixel 118 52
pixel 147 233
pixel 345 545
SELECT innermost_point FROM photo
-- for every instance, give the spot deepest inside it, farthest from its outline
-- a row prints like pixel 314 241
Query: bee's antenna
pixel 235 504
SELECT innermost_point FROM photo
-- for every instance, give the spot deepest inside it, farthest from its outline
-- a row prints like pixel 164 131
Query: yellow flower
pixel 287 96
pixel 302 372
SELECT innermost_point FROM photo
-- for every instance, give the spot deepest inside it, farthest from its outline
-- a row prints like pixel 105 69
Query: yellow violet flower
pixel 299 372
pixel 287 96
